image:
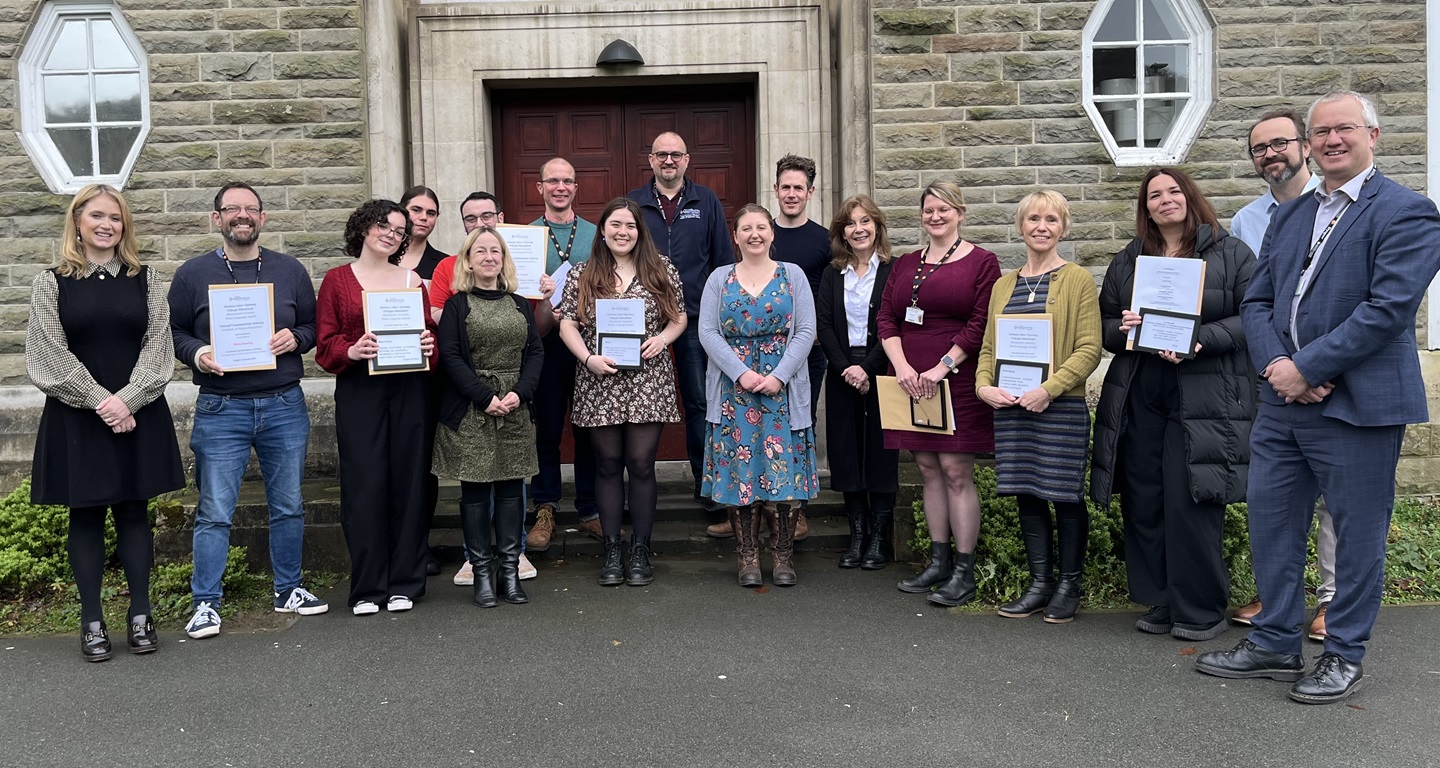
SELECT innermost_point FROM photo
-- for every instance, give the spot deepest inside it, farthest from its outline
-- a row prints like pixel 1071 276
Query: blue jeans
pixel 226 428
pixel 690 362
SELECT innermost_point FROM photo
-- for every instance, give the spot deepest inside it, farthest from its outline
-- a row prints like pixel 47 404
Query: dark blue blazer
pixel 1357 319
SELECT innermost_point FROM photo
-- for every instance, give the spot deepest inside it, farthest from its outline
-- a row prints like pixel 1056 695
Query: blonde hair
pixel 464 279
pixel 1044 200
pixel 947 192
pixel 72 252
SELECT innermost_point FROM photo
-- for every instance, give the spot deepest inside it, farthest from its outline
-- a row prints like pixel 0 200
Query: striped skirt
pixel 1043 454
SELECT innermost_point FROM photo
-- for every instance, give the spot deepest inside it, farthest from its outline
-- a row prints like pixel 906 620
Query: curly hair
pixel 368 215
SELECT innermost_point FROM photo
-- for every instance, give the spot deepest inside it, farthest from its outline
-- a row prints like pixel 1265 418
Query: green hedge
pixel 1412 569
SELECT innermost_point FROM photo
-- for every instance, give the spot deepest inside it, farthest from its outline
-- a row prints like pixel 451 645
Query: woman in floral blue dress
pixel 757 324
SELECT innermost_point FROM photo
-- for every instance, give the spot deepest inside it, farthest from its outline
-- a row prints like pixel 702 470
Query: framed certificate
pixel 1017 377
pixel 242 322
pixel 933 413
pixel 526 244
pixel 1164 331
pixel 622 348
pixel 397 318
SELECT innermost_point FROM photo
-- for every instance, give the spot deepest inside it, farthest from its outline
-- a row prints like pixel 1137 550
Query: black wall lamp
pixel 619 52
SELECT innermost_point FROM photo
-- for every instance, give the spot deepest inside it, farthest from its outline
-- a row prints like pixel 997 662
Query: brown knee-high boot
pixel 782 540
pixel 745 521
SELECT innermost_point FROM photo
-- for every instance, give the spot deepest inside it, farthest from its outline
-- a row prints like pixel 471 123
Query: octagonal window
pixel 84 95
pixel 1148 77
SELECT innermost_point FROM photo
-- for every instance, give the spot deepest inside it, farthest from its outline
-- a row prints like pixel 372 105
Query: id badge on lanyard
pixel 915 315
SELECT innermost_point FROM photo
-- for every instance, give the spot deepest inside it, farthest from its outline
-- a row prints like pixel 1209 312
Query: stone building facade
pixel 324 103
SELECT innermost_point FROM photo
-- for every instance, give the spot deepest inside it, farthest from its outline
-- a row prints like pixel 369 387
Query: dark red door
pixel 606 134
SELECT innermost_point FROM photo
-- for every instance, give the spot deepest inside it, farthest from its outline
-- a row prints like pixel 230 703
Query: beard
pixel 1283 175
pixel 240 240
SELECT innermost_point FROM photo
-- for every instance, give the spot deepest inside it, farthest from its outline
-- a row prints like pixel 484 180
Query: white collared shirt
pixel 858 289
pixel 1332 204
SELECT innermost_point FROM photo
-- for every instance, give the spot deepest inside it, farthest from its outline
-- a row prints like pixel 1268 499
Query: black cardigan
pixel 463 388
pixel 833 329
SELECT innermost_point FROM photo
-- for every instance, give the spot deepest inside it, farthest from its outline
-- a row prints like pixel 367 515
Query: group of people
pixel 743 325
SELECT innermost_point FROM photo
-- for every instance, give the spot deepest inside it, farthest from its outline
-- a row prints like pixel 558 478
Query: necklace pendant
pixel 1032 297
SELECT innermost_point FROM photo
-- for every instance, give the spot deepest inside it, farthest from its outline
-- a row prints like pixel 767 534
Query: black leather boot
pixel 960 589
pixel 612 573
pixel 882 518
pixel 639 573
pixel 509 538
pixel 1035 532
pixel 855 514
pixel 94 641
pixel 476 522
pixel 1074 536
pixel 934 574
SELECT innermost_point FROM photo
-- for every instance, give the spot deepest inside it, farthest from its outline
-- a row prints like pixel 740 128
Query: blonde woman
pixel 98 345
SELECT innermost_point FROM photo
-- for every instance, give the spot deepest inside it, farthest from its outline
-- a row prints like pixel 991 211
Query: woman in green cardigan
pixel 1042 434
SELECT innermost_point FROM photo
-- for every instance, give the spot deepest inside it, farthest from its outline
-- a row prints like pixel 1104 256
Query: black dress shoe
pixel 1332 680
pixel 1248 660
pixel 142 635
pixel 94 641
pixel 1156 621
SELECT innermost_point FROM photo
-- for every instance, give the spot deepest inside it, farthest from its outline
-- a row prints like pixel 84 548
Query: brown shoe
pixel 746 522
pixel 538 539
pixel 592 529
pixel 721 530
pixel 782 518
pixel 1246 616
pixel 802 528
pixel 1317 627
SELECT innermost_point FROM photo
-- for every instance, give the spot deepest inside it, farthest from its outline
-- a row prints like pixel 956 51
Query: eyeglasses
pixel 1343 130
pixel 395 231
pixel 559 182
pixel 231 210
pixel 486 217
pixel 1276 145
pixel 674 157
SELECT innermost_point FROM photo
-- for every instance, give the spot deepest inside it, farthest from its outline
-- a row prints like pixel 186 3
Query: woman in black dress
pixel 861 467
pixel 98 345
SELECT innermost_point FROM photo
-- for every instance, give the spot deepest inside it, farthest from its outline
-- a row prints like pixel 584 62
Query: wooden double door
pixel 606 133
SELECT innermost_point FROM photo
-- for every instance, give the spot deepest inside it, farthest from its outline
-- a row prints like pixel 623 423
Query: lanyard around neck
pixel 921 274
pixel 259 262
pixel 1325 233
pixel 563 253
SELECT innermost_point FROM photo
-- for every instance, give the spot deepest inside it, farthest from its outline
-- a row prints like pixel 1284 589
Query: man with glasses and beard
pixel 688 225
pixel 1281 156
pixel 236 411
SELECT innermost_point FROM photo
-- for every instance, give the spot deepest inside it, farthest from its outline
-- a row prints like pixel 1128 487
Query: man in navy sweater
pixel 688 224
pixel 239 410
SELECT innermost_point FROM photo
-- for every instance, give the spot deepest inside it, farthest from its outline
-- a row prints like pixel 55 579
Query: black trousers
pixel 380 429
pixel 1174 553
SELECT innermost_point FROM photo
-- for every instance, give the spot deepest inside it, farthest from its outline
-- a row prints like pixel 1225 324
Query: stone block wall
pixel 271 92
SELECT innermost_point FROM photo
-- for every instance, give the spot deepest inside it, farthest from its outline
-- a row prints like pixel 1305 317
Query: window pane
pixel 117 98
pixel 74 146
pixel 115 145
pixel 1167 69
pixel 1160 117
pixel 67 98
pixel 1119 23
pixel 1161 21
pixel 111 52
pixel 69 50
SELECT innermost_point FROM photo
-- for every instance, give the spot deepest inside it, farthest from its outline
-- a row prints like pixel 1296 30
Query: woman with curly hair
pixel 380 420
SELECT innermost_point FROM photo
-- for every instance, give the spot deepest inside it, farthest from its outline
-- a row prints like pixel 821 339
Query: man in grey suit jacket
pixel 1330 319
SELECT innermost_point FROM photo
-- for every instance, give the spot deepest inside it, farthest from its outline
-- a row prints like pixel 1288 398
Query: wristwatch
pixel 951 363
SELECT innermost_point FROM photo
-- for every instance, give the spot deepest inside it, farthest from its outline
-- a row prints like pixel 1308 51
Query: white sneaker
pixel 399 603
pixel 465 577
pixel 365 608
pixel 527 570
pixel 204 623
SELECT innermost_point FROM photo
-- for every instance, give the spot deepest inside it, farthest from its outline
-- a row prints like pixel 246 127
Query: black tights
pixel 1034 506
pixel 623 449
pixel 135 545
pixel 479 493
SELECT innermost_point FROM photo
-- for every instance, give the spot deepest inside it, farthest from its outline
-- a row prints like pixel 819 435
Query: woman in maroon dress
pixel 931 322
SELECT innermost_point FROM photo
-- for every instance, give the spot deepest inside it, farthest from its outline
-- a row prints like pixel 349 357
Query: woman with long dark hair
pixel 1172 435
pixel 625 410
pixel 98 345
pixel 861 467
pixel 381 420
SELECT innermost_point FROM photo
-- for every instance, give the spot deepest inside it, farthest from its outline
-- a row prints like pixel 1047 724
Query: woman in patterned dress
pixel 757 324
pixel 491 356
pixel 625 409
pixel 1042 435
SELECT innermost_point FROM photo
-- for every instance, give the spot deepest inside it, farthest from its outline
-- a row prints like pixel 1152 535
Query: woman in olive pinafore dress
pixel 98 345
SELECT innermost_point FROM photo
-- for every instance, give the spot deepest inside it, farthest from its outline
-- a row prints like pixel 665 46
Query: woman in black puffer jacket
pixel 1172 435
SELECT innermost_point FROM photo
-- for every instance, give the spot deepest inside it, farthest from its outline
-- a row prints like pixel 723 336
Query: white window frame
pixel 1199 97
pixel 33 136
